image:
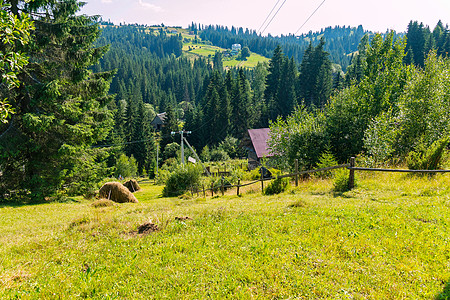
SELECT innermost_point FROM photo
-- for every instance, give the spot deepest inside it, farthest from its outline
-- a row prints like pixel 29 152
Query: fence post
pixel 238 186
pixel 212 189
pixel 351 176
pixel 262 181
pixel 296 172
pixel 221 185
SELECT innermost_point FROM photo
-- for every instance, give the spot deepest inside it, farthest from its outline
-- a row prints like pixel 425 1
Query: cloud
pixel 106 1
pixel 153 7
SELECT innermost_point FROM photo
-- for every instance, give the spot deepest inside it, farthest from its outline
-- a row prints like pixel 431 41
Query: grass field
pixel 386 239
pixel 209 51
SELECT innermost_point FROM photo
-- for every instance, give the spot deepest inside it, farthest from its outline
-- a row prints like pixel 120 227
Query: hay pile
pixel 146 228
pixel 132 185
pixel 116 192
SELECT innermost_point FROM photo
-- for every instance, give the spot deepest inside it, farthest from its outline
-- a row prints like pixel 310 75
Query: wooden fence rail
pixel 350 166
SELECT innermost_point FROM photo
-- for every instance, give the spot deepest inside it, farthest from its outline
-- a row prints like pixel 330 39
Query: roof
pixel 159 118
pixel 259 139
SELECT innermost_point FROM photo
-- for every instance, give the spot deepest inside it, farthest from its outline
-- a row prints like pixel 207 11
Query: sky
pixel 374 15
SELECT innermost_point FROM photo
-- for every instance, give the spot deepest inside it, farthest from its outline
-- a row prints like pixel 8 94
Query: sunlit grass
pixel 386 239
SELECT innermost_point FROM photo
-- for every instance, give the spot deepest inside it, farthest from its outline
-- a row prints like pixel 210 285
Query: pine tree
pixel 60 106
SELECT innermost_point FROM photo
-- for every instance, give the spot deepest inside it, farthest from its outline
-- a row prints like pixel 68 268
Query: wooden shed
pixel 158 121
pixel 256 143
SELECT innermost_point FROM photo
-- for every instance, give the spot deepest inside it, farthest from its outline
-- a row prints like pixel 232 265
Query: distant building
pixel 158 121
pixel 235 48
pixel 255 142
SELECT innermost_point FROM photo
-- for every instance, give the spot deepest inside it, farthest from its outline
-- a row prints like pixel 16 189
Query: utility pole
pixel 181 132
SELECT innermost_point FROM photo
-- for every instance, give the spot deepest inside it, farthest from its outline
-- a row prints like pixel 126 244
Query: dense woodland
pixel 80 98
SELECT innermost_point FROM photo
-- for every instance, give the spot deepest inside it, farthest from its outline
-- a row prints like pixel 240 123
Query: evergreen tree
pixel 217 61
pixel 315 79
pixel 273 80
pixel 60 105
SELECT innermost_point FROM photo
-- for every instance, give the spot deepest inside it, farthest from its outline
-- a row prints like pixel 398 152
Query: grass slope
pixel 387 239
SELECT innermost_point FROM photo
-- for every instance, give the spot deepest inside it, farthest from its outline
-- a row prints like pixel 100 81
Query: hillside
pixel 387 239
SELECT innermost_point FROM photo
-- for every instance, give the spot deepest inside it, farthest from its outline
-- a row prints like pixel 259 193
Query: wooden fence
pixel 351 180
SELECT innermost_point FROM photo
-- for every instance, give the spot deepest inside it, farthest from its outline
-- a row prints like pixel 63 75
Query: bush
pixel 205 155
pixel 326 160
pixel 341 181
pixel 181 180
pixel 427 158
pixel 126 166
pixel 277 186
pixel 219 155
pixel 171 150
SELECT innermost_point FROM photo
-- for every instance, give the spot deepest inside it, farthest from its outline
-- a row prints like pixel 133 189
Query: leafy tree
pixel 301 136
pixel 245 53
pixel 15 34
pixel 60 105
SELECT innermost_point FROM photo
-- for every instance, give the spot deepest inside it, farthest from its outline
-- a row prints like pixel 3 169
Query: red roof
pixel 259 139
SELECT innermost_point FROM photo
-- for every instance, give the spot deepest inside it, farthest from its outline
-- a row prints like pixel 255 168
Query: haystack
pixel 132 185
pixel 116 192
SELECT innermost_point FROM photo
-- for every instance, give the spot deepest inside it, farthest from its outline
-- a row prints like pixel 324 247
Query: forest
pixel 78 96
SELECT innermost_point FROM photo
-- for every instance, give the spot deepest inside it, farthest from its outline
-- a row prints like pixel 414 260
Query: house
pixel 158 121
pixel 235 48
pixel 256 143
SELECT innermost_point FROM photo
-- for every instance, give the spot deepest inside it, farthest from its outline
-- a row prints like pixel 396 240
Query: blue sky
pixel 378 15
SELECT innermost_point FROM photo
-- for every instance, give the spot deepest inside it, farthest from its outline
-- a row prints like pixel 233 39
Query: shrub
pixel 205 155
pixel 326 159
pixel 219 155
pixel 126 166
pixel 277 186
pixel 181 180
pixel 341 181
pixel 427 158
pixel 171 150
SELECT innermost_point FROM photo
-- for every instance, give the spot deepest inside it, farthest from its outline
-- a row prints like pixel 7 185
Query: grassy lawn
pixel 386 239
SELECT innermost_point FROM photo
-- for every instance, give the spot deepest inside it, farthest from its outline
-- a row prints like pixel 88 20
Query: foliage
pixel 349 113
pixel 231 146
pixel 326 159
pixel 126 166
pixel 277 185
pixel 219 155
pixel 340 184
pixel 182 179
pixel 205 155
pixel 301 136
pixel 60 105
pixel 15 35
pixel 381 137
pixel 170 151
pixel 245 53
pixel 427 157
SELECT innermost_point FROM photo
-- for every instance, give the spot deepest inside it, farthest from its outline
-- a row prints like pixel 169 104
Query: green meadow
pixel 386 239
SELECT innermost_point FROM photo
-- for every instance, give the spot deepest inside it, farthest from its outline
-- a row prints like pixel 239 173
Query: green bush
pixel 326 160
pixel 126 166
pixel 341 181
pixel 219 155
pixel 427 158
pixel 181 180
pixel 277 186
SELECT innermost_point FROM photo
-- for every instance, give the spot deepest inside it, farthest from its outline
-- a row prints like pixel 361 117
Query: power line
pixel 259 30
pixel 273 17
pixel 310 17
